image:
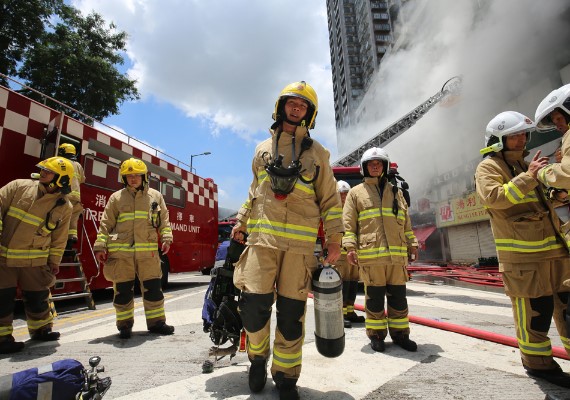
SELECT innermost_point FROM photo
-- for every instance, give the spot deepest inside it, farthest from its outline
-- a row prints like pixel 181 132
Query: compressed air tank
pixel 329 324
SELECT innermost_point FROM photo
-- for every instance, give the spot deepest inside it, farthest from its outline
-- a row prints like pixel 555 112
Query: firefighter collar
pixel 373 180
pixel 134 191
pixel 300 132
pixel 511 155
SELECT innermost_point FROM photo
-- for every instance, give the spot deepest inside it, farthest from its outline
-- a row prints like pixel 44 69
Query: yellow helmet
pixel 67 150
pixel 63 170
pixel 133 166
pixel 303 91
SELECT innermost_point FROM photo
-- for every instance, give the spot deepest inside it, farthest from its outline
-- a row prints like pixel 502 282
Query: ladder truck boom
pixel 451 87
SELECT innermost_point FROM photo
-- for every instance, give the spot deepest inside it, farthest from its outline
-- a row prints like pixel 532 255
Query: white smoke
pixel 509 53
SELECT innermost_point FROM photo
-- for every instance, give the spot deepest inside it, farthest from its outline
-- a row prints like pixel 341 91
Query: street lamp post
pixel 206 153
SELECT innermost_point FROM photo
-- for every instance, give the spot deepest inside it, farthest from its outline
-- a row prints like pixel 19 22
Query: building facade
pixel 361 34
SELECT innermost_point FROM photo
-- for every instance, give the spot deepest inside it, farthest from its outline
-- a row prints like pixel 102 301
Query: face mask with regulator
pixel 282 178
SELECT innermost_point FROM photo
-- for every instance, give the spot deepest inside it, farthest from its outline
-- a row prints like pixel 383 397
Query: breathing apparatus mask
pixel 397 180
pixel 283 178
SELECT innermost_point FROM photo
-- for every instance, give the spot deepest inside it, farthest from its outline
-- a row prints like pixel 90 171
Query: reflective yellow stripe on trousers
pixel 543 349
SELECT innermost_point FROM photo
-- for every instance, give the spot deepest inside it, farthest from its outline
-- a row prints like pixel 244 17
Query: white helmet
pixel 374 153
pixel 559 98
pixel 342 187
pixel 505 124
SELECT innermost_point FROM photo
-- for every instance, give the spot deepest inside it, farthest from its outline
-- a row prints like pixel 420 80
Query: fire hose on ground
pixel 475 333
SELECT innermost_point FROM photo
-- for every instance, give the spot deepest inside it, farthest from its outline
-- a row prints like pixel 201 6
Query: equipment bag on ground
pixel 61 380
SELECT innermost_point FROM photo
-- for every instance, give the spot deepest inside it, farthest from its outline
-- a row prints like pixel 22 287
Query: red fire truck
pixel 30 132
pixel 350 175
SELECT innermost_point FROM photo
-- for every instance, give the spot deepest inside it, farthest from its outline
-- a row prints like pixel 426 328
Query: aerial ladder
pixel 450 89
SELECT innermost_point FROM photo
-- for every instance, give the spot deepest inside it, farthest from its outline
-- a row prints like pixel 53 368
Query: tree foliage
pixel 22 23
pixel 66 56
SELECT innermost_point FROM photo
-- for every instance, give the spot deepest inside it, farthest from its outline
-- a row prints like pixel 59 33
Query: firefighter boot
pixel 287 387
pixel 405 343
pixel 257 374
pixel 355 318
pixel 70 242
pixel 45 335
pixel 377 344
pixel 125 332
pixel 162 329
pixel 347 323
pixel 555 375
pixel 10 346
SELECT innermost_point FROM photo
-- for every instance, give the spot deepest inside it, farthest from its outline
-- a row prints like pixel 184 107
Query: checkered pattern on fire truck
pixel 19 114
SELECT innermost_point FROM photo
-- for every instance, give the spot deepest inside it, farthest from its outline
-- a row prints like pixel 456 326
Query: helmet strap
pixel 51 187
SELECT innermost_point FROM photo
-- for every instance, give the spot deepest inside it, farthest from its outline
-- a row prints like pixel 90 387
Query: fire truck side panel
pixel 192 201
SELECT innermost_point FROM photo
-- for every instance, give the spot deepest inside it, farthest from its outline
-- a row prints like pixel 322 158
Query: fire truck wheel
pixel 206 271
pixel 165 266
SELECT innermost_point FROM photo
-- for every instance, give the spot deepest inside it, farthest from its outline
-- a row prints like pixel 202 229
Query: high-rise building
pixel 361 33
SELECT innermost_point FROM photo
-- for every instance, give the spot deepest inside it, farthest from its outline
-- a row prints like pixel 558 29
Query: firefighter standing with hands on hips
pixel 127 243
pixel 532 251
pixel 349 274
pixel 293 188
pixel 34 219
pixel 379 239
pixel 68 151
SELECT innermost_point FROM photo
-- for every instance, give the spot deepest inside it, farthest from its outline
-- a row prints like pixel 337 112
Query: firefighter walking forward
pixel 127 244
pixel 349 274
pixel 34 219
pixel 68 151
pixel 379 238
pixel 532 251
pixel 293 188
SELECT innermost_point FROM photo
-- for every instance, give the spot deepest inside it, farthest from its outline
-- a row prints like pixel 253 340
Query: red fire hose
pixel 476 333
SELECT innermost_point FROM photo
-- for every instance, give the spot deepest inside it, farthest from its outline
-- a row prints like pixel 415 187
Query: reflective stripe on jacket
pixel 27 240
pixel 372 229
pixel 292 224
pixel 525 226
pixel 126 227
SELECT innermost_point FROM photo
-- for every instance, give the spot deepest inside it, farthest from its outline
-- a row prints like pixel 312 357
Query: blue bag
pixel 61 380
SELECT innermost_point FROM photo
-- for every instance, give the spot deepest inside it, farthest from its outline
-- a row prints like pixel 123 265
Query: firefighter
pixel 293 187
pixel 553 112
pixel 34 218
pixel 67 150
pixel 127 244
pixel 348 273
pixel 532 251
pixel 379 239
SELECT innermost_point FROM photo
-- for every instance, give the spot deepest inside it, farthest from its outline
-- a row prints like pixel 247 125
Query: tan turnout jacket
pixel 558 175
pixel 127 229
pixel 292 224
pixel 76 181
pixel 371 228
pixel 525 226
pixel 26 238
